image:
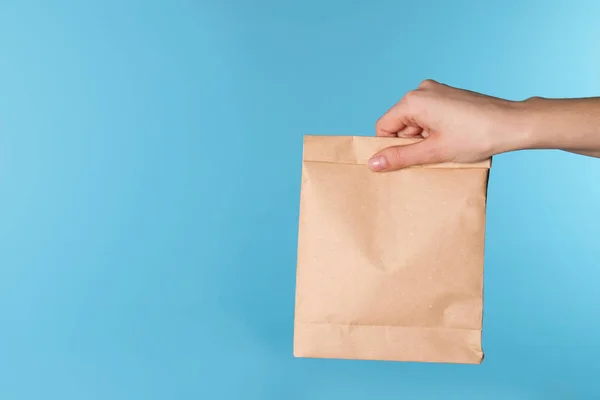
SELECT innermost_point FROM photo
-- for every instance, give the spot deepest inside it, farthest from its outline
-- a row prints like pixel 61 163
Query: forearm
pixel 567 124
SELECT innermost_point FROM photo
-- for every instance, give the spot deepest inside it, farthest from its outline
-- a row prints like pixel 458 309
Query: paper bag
pixel 390 265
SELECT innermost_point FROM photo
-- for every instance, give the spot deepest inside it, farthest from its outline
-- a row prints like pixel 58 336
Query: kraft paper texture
pixel 390 265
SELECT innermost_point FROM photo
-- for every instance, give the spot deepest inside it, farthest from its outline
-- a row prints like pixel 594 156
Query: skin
pixel 463 126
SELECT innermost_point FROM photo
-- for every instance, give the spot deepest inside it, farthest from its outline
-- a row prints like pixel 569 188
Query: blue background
pixel 149 175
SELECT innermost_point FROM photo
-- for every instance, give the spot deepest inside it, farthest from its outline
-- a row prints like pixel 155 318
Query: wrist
pixel 515 128
pixel 530 121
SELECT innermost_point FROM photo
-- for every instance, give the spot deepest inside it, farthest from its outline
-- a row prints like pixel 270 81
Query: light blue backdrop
pixel 149 179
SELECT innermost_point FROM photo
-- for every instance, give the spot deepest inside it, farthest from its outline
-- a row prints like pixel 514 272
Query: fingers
pixel 410 132
pixel 393 121
pixel 396 157
pixel 409 118
pixel 401 119
pixel 402 115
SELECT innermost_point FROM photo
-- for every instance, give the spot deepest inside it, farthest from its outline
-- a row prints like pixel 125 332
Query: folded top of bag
pixel 358 150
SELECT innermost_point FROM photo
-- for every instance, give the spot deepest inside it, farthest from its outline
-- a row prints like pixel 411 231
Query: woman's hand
pixel 457 125
pixel 462 126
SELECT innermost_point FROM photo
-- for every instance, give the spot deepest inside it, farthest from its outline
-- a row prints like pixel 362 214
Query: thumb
pixel 397 157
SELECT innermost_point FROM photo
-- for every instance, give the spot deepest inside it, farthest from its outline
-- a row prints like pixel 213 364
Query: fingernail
pixel 378 163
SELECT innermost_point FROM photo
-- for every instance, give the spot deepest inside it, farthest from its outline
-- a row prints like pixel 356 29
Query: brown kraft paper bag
pixel 390 265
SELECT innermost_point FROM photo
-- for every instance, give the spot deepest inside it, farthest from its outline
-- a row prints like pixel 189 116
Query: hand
pixel 456 125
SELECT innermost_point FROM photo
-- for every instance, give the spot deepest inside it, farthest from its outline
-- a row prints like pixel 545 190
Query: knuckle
pixel 427 83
